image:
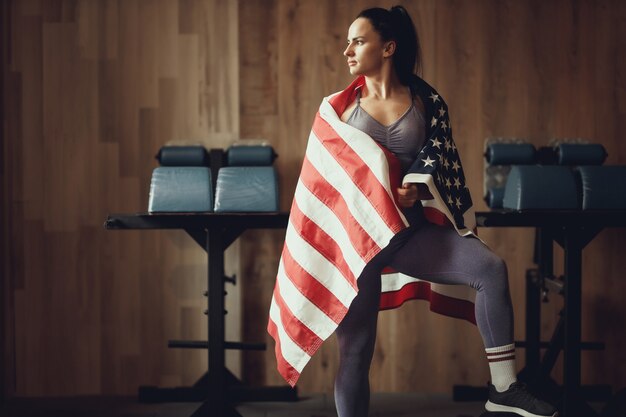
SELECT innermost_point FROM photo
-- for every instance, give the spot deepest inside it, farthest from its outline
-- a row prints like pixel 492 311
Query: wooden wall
pixel 5 292
pixel 94 88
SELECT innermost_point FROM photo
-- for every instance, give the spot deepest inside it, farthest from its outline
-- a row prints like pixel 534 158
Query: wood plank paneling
pixel 6 294
pixel 94 89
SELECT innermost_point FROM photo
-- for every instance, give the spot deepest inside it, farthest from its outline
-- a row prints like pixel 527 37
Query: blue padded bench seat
pixel 510 154
pixel 246 189
pixel 540 187
pixel 494 197
pixel 603 187
pixel 581 154
pixel 180 189
pixel 250 155
pixel 179 156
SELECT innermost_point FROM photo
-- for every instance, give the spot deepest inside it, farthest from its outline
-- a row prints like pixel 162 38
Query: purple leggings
pixel 432 253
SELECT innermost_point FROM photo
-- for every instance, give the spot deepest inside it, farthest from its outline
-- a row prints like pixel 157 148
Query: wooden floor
pixel 315 405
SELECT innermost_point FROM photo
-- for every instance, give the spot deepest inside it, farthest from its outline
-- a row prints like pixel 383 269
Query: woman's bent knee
pixel 492 274
pixel 496 271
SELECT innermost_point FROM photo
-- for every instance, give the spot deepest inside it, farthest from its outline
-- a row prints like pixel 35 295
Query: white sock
pixel 502 366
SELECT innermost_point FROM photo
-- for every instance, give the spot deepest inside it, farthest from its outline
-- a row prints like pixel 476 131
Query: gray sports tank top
pixel 404 137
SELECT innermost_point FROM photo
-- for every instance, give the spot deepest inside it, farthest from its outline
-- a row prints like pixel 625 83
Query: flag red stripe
pixel 284 368
pixel 341 101
pixel 321 241
pixel 331 198
pixel 359 173
pixel 436 217
pixel 295 329
pixel 312 289
pixel 439 303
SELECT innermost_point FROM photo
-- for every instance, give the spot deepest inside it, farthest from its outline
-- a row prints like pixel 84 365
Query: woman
pixel 390 106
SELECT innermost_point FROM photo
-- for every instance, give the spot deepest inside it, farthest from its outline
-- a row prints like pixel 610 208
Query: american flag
pixel 344 212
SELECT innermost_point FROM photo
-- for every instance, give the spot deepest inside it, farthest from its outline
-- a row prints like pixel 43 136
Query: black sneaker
pixel 518 400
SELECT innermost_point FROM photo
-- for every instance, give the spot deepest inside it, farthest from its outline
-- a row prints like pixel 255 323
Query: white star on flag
pixel 455 166
pixel 458 203
pixel 447 144
pixel 436 143
pixel 448 183
pixel 449 199
pixel 444 126
pixel 428 161
pixel 434 97
pixel 457 183
pixel 433 122
pixel 441 112
pixel 445 163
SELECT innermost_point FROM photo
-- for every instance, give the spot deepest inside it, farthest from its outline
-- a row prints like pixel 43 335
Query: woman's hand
pixel 407 195
pixel 410 193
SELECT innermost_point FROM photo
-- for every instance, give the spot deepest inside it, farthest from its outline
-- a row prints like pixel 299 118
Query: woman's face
pixel 366 52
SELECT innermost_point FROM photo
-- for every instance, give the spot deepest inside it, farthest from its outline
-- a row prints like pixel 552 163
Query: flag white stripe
pixel 327 220
pixel 292 353
pixel 360 207
pixel 318 266
pixel 395 281
pixel 469 220
pixel 302 308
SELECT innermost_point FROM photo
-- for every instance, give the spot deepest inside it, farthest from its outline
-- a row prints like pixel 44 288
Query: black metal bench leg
pixel 572 319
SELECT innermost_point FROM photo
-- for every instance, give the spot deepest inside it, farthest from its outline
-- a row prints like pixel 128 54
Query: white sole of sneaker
pixel 489 406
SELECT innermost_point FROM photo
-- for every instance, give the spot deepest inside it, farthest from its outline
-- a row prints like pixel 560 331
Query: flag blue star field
pixel 438 164
pixel 345 211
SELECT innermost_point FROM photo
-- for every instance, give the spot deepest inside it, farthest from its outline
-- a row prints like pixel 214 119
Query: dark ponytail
pixel 396 24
